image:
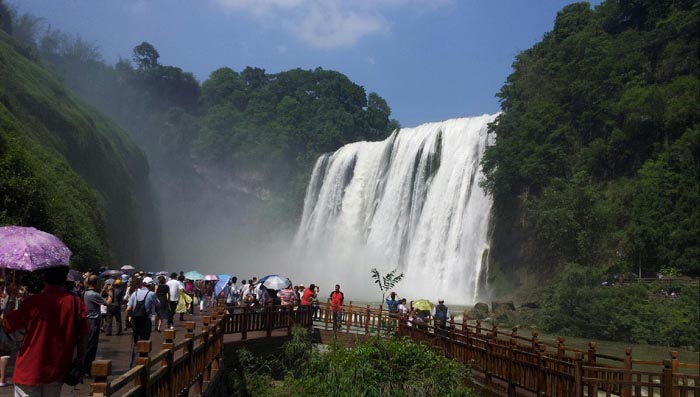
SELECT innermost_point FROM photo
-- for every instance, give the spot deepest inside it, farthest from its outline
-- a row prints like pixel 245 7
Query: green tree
pixel 145 56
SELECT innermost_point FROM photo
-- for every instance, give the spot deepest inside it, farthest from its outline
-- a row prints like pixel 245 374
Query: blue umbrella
pixel 223 280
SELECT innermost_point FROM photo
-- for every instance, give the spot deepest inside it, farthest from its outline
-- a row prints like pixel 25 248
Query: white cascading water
pixel 411 202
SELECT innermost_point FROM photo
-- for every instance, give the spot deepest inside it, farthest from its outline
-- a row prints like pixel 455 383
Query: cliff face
pixel 67 169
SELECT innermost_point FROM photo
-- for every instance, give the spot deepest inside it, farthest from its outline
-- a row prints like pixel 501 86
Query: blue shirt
pixel 141 294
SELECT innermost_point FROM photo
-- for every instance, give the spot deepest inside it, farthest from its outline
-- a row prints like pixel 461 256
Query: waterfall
pixel 411 202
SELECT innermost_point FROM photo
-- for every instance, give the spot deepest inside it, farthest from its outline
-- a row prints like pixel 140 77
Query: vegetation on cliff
pixel 65 168
pixel 596 160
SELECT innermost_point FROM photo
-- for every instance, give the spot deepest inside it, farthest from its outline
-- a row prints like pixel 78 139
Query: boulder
pixel 479 312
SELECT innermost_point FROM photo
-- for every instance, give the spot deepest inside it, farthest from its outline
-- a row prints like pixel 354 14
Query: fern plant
pixel 386 282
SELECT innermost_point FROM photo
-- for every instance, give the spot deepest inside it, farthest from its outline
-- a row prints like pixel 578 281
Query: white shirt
pixel 175 288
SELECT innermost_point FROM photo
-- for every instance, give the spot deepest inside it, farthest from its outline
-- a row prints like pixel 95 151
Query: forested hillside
pixel 68 170
pixel 594 171
pixel 230 157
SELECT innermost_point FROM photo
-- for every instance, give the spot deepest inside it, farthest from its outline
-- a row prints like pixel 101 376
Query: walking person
pixel 141 305
pixel 93 300
pixel 337 298
pixel 50 319
pixel 173 295
pixel 114 309
pixel 163 309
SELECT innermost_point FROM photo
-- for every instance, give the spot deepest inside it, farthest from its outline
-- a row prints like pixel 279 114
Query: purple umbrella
pixel 26 248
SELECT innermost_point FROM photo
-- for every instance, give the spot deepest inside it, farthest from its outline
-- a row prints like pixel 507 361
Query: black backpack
pixel 140 308
pixel 441 313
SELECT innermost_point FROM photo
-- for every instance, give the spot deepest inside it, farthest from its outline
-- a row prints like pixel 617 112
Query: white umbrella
pixel 275 281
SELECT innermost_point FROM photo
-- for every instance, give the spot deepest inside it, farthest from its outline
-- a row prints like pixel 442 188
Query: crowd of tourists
pixel 62 323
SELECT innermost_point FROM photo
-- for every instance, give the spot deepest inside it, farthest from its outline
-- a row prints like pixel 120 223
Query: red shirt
pixel 47 351
pixel 337 298
pixel 308 297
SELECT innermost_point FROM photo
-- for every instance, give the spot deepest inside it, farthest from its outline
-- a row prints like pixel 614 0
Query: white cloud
pixel 327 23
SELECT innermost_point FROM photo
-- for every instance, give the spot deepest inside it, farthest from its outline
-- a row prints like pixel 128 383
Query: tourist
pixel 231 293
pixel 192 293
pixel 337 298
pixel 315 303
pixel 307 298
pixel 93 301
pixel 242 291
pixel 173 296
pixel 140 307
pixel 250 297
pixel 114 309
pixel 288 297
pixel 392 304
pixel 206 290
pixel 50 320
pixel 163 309
pixel 403 310
pixel 441 315
pixel 265 296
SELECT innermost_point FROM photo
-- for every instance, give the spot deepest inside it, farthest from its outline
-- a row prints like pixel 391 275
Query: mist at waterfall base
pixel 411 202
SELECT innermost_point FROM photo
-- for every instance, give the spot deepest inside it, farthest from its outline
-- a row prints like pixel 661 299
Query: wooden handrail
pixel 496 356
pixel 162 374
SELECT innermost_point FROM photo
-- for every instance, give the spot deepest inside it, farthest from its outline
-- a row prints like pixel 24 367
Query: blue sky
pixel 430 59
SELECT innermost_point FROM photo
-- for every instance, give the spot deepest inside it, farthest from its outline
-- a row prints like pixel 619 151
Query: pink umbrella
pixel 26 248
pixel 211 277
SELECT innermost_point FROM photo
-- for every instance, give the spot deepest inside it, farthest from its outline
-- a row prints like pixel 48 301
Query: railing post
pixel 667 379
pixel 478 327
pixel 189 349
pixel 592 388
pixel 348 318
pixel 489 360
pixel 674 371
pixel 169 344
pixel 101 370
pixel 561 350
pixel 206 374
pixel 511 362
pixel 244 321
pixel 627 375
pixel 367 320
pixel 143 347
pixel 541 374
pixel 268 319
pixel 535 341
pixel 578 374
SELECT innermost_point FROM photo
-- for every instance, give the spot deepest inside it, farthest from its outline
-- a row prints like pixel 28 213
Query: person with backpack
pixel 441 315
pixel 142 304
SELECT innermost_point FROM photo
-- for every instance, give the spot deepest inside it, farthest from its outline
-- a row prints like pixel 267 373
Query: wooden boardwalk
pixel 118 349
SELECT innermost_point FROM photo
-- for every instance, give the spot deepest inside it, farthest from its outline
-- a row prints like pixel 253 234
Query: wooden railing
pixel 505 363
pixel 502 363
pixel 190 367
